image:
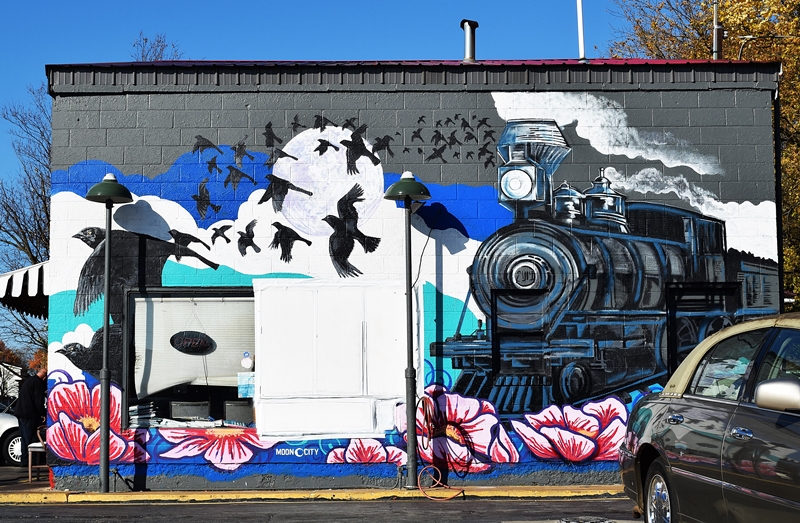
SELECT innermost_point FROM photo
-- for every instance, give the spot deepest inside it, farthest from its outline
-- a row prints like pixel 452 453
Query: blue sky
pixel 89 31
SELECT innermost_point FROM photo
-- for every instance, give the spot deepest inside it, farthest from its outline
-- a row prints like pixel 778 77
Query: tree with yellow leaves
pixel 758 30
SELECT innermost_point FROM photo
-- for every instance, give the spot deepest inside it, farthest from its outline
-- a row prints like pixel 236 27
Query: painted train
pixel 586 294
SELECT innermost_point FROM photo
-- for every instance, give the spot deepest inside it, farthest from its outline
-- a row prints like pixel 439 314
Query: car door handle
pixel 674 419
pixel 741 433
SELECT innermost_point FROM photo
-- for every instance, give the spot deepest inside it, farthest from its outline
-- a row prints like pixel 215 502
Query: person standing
pixel 30 410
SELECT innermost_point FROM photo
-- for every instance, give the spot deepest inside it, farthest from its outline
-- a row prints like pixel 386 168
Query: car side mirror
pixel 779 394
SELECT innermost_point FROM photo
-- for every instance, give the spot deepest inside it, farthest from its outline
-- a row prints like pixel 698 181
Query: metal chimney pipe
pixel 469 27
pixel 718 35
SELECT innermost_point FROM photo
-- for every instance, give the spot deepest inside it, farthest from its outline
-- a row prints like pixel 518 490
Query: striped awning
pixel 26 290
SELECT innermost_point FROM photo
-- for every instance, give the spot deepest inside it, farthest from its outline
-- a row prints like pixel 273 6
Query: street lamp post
pixel 408 190
pixel 109 192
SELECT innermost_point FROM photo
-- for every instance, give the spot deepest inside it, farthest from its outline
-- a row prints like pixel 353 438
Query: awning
pixel 26 290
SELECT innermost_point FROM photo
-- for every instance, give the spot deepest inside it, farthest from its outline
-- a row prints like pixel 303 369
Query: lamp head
pixel 407 187
pixel 109 190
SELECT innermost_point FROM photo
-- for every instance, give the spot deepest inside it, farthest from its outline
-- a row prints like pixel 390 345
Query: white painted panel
pixel 385 314
pixel 286 361
pixel 306 418
pixel 340 313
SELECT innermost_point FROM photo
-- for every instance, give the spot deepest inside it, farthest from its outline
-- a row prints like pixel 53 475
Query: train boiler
pixel 574 291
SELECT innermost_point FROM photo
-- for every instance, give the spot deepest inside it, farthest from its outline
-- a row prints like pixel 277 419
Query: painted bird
pixel 276 155
pixel 235 176
pixel 296 124
pixel 346 233
pixel 203 199
pixel 323 146
pixel 417 135
pixel 269 135
pixel 285 238
pixel 356 148
pixel 184 239
pixel 137 262
pixel 90 359
pixel 277 190
pixel 201 144
pixel 320 122
pixel 437 153
pixel 240 151
pixel 219 232
pixel 212 166
pixel 383 143
pixel 246 239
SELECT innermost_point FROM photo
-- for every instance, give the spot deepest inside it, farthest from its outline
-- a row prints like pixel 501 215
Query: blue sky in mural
pixel 95 31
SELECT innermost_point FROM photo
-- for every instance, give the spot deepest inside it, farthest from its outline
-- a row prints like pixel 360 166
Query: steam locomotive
pixel 586 294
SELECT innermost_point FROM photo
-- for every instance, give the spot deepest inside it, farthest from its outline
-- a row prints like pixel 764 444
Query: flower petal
pixel 609 440
pixel 537 443
pixel 365 451
pixel 607 410
pixel 580 422
pixel 396 455
pixel 572 447
pixel 335 456
pixel 549 417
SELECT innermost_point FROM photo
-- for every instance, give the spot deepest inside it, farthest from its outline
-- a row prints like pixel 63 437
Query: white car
pixel 10 441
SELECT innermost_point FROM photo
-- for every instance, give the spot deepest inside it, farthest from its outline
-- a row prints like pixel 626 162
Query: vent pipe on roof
pixel 469 27
pixel 719 35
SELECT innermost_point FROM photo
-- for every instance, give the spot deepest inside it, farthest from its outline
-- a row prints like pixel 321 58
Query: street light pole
pixel 108 191
pixel 408 190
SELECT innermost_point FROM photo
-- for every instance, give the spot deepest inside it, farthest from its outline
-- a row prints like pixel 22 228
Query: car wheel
pixel 659 502
pixel 12 448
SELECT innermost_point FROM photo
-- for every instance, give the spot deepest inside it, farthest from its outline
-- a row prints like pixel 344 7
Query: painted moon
pixel 326 176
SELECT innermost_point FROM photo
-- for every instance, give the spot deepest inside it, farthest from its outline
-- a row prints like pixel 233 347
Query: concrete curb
pixel 51 496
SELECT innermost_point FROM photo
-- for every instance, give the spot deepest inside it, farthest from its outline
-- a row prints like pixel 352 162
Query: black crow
pixel 296 124
pixel 488 134
pixel 235 176
pixel 240 151
pixel 406 150
pixel 277 191
pixel 438 137
pixel 90 359
pixel 212 166
pixel 482 122
pixel 383 143
pixel 350 122
pixel 421 120
pixel 285 238
pixel 246 239
pixel 489 161
pixel 320 122
pixel 437 153
pixel 470 155
pixel 219 232
pixel 201 144
pixel 465 125
pixel 356 148
pixel 322 148
pixel 438 123
pixel 484 150
pixel 184 239
pixel 276 155
pixel 452 140
pixel 469 137
pixel 203 199
pixel 417 135
pixel 449 122
pixel 269 135
pixel 346 232
pixel 137 262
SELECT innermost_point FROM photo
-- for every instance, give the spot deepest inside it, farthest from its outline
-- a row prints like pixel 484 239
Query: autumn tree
pixel 155 49
pixel 759 30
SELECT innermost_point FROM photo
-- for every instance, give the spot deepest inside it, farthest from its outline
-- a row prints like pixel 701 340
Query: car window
pixel 722 373
pixel 783 358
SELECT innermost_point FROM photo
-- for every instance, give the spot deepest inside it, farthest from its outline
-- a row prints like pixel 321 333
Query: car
pixel 721 441
pixel 10 440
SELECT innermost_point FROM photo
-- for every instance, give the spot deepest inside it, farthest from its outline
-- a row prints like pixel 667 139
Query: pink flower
pixel 592 433
pixel 226 448
pixel 463 432
pixel 75 435
pixel 366 451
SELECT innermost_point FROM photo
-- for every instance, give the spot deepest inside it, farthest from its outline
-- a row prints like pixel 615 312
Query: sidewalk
pixel 15 489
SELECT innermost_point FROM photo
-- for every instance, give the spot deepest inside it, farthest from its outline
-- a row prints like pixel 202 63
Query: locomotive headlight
pixel 516 184
pixel 530 272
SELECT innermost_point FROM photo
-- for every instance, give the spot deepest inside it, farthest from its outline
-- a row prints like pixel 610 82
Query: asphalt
pixel 16 489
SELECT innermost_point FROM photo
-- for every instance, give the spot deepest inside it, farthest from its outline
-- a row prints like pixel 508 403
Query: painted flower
pixel 592 433
pixel 367 451
pixel 225 447
pixel 465 433
pixel 75 434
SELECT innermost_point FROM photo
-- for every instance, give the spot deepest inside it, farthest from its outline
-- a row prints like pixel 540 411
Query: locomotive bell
pixel 531 151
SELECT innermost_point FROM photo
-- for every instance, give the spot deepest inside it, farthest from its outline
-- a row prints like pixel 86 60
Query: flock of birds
pixel 139 259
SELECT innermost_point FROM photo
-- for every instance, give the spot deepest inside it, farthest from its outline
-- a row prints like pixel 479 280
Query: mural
pixel 564 295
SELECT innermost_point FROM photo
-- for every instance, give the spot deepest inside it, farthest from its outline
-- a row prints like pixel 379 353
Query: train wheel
pixel 574 383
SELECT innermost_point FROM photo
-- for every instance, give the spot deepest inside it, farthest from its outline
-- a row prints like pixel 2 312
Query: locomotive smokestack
pixel 469 27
